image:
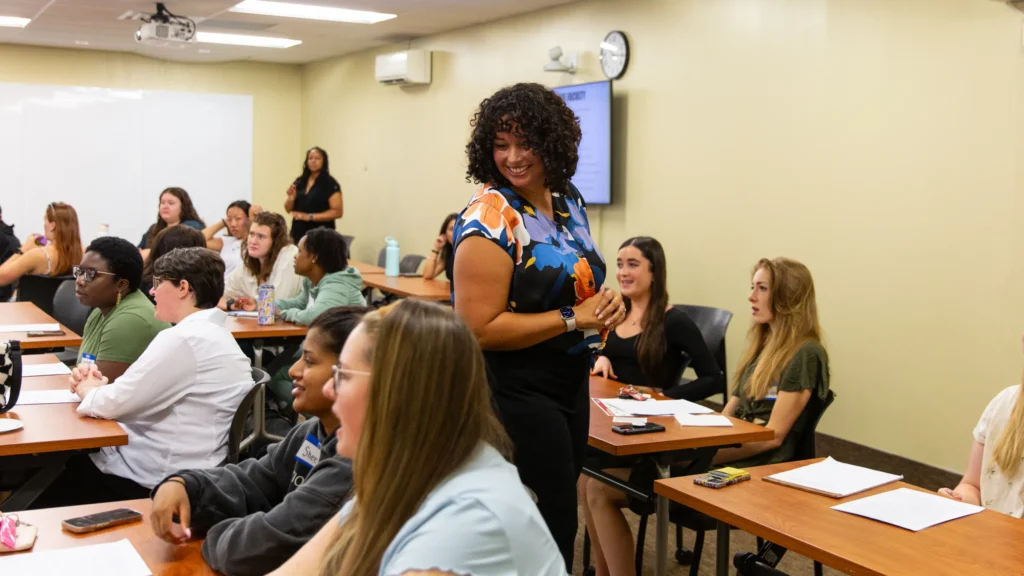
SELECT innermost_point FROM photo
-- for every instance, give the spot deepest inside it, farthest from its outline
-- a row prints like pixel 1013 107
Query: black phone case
pixel 630 430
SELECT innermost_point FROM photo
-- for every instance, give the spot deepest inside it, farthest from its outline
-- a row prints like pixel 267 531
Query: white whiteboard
pixel 109 153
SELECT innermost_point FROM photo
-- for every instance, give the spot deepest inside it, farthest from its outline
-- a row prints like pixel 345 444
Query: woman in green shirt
pixel 783 365
pixel 121 324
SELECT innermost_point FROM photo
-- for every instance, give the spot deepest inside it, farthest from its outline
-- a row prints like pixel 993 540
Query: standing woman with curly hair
pixel 528 281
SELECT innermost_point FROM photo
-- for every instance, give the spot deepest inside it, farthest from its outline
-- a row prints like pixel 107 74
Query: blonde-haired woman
pixel 994 476
pixel 433 490
pixel 783 365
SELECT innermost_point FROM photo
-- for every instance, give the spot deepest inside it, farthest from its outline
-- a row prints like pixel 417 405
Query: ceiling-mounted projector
pixel 166 29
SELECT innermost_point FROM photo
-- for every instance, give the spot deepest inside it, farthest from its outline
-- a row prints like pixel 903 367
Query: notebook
pixel 832 478
pixel 910 509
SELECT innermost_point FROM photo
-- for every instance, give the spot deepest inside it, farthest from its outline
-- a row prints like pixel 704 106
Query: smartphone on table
pixel 629 429
pixel 101 520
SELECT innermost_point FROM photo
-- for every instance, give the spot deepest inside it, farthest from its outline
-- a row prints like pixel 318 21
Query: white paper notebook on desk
pixel 832 478
pixel 118 558
pixel 55 369
pixel 30 397
pixel 910 509
pixel 655 407
pixel 29 327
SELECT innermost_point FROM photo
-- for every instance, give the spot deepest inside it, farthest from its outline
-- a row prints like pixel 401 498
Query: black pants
pixel 83 483
pixel 547 415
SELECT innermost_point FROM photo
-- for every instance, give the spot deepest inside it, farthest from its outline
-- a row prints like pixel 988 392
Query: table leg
pixel 722 556
pixel 257 352
pixel 661 529
pixel 24 496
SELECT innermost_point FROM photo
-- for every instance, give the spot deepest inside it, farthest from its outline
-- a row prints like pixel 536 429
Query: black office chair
pixel 410 263
pixel 40 290
pixel 382 257
pixel 348 244
pixel 69 311
pixel 245 408
pixel 713 324
pixel 684 517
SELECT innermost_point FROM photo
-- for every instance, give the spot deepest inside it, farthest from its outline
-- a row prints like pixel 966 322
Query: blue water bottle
pixel 391 256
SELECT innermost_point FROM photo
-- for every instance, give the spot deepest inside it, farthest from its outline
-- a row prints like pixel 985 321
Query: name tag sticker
pixel 773 392
pixel 309 452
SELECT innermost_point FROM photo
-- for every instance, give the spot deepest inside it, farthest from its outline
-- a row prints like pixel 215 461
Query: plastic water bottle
pixel 391 256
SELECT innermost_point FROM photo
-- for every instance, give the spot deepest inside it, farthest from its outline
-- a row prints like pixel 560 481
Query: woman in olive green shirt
pixel 121 324
pixel 783 365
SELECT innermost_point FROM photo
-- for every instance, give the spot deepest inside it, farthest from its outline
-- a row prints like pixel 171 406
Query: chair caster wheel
pixel 684 557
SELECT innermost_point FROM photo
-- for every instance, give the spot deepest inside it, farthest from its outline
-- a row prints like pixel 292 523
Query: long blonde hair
pixel 429 409
pixel 794 323
pixel 1010 446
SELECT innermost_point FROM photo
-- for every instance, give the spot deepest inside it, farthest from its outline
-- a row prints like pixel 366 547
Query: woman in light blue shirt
pixel 434 492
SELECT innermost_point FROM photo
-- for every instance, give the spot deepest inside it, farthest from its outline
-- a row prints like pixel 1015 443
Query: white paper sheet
pixel 28 327
pixel 656 407
pixel 629 420
pixel 244 314
pixel 29 397
pixel 56 369
pixel 703 420
pixel 910 509
pixel 118 558
pixel 834 478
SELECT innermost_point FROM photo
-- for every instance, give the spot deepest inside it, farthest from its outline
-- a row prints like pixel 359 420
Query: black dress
pixel 541 392
pixel 313 202
pixel 684 346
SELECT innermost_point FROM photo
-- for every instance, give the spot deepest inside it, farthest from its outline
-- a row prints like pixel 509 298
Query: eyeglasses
pixel 87 274
pixel 336 373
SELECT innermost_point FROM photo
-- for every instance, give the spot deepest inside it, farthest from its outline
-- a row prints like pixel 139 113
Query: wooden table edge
pixel 683 444
pixel 55 446
pixel 664 488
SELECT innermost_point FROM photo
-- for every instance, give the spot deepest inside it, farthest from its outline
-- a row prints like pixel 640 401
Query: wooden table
pixel 365 268
pixel 28 313
pixel 985 543
pixel 250 329
pixel 410 287
pixel 676 444
pixel 51 434
pixel 163 559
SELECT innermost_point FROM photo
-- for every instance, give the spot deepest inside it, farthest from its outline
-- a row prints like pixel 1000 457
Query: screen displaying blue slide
pixel 592 103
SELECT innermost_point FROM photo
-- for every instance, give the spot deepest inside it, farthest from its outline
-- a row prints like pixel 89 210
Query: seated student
pixel 175 208
pixel 783 365
pixel 257 514
pixel 328 280
pixel 52 254
pixel 268 258
pixel 122 323
pixel 236 224
pixel 176 402
pixel 442 256
pixel 433 489
pixel 9 246
pixel 168 239
pixel 655 342
pixel 994 473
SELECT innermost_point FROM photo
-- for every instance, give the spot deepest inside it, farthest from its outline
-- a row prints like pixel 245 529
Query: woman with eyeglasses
pixel 168 239
pixel 433 489
pixel 121 324
pixel 53 253
pixel 176 402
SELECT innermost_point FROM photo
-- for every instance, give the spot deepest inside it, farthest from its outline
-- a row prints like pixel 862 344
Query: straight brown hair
pixel 429 410
pixel 794 323
pixel 650 347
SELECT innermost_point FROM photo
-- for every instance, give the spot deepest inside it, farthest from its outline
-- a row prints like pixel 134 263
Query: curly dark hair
pixel 537 115
pixel 122 258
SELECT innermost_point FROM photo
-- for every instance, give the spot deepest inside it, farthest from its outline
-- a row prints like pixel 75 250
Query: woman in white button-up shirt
pixel 175 402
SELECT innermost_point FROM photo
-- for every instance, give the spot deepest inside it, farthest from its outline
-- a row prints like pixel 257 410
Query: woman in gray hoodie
pixel 328 281
pixel 258 513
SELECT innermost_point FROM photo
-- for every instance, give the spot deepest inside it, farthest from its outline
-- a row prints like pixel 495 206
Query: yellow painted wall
pixel 276 91
pixel 875 140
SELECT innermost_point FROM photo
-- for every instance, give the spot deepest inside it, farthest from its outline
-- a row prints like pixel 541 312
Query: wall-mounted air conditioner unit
pixel 406 67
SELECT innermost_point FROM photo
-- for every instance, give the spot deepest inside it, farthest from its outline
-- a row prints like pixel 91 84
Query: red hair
pixel 66 239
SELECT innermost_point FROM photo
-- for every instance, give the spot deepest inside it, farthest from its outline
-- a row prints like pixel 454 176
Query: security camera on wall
pixel 556 64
